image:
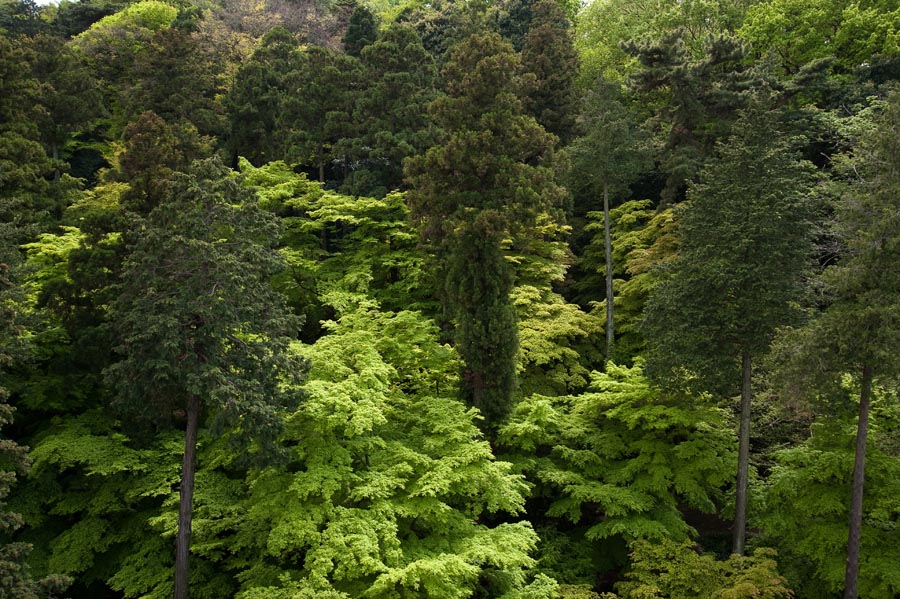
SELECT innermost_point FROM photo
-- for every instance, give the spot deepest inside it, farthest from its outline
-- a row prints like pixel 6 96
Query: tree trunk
pixel 321 171
pixel 851 579
pixel 185 507
pixel 610 332
pixel 743 476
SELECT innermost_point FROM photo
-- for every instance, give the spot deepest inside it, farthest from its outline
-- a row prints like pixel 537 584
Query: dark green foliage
pixel 361 31
pixel 153 151
pixel 255 100
pixel 391 109
pixel 745 246
pixel 478 284
pixel 485 181
pixel 316 115
pixel 196 315
pixel 549 54
pixel 177 77
pixel 694 100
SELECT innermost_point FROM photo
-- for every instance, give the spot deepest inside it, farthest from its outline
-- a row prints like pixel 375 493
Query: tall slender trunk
pixel 54 149
pixel 610 331
pixel 743 476
pixel 186 507
pixel 321 171
pixel 851 578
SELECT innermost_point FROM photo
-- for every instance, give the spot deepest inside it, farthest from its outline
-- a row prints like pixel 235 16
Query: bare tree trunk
pixel 743 476
pixel 851 578
pixel 185 507
pixel 321 171
pixel 610 331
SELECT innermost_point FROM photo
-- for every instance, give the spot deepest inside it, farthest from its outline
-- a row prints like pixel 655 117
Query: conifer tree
pixel 859 332
pixel 361 31
pixel 548 52
pixel 484 183
pixel 746 243
pixel 255 100
pixel 201 332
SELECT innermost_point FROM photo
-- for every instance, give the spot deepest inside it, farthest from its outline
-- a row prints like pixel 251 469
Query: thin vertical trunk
pixel 851 579
pixel 185 507
pixel 743 476
pixel 54 149
pixel 610 332
pixel 321 171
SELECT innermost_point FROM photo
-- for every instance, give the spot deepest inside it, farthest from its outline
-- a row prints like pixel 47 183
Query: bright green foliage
pixel 338 245
pixel 112 43
pixel 670 570
pixel 623 458
pixel 800 31
pixel 605 25
pixel 805 509
pixel 643 241
pixel 485 182
pixel 388 478
pixel 745 245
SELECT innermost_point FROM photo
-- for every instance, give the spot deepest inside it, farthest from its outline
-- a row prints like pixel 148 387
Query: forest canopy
pixel 512 299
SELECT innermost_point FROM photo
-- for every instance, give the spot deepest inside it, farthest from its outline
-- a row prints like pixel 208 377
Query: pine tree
pixel 201 332
pixel 483 184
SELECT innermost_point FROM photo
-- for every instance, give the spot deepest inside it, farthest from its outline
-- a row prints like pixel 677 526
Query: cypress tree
pixel 485 183
pixel 201 332
pixel 746 243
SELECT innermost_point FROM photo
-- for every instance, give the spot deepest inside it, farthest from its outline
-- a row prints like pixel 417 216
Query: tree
pixel 549 54
pixel 609 155
pixel 391 110
pixel 361 31
pixel 200 330
pixel 857 334
pixel 15 579
pixel 256 98
pixel 485 182
pixel 694 98
pixel 746 244
pixel 317 112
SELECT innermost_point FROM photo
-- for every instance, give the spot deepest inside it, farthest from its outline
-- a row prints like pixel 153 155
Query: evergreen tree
pixel 200 330
pixel 693 99
pixel 746 243
pixel 858 332
pixel 609 155
pixel 548 52
pixel 361 31
pixel 391 110
pixel 317 112
pixel 256 98
pixel 484 183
